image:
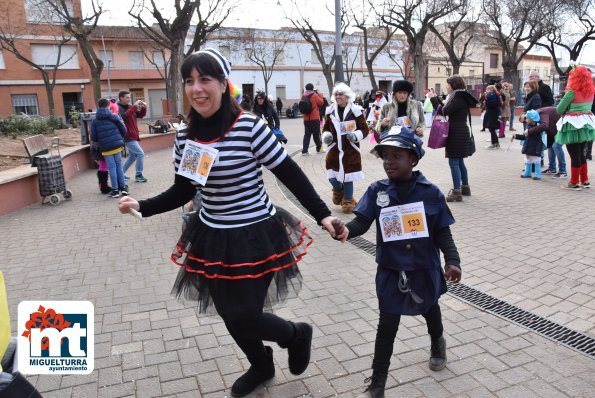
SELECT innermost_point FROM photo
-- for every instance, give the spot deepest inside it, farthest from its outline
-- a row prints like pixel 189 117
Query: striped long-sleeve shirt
pixel 234 194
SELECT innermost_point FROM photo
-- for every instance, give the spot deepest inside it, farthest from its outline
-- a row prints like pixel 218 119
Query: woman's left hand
pixel 452 273
pixel 335 227
pixel 419 131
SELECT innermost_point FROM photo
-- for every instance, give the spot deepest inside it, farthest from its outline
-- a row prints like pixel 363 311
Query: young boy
pixel 412 225
pixel 108 131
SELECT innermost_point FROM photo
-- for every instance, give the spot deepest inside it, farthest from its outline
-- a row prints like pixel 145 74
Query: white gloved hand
pixel 351 137
pixel 327 137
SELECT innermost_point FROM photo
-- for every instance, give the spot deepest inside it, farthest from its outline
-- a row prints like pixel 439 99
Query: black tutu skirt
pixel 240 272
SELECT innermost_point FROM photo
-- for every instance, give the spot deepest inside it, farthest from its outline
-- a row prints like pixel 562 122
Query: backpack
pixel 305 106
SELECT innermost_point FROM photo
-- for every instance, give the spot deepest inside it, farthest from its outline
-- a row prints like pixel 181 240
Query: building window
pixel 313 57
pixel 438 89
pixel 25 103
pixel 108 58
pixel 280 91
pixel 280 57
pixel 136 59
pixel 2 64
pixel 41 11
pixel 159 59
pixel 471 72
pixel 46 56
pixel 225 51
pixel 493 61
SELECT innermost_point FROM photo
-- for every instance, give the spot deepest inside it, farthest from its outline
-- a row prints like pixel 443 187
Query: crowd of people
pixel 239 253
pixel 547 125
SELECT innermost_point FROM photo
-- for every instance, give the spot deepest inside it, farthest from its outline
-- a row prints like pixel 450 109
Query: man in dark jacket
pixel 108 131
pixel 545 92
pixel 130 113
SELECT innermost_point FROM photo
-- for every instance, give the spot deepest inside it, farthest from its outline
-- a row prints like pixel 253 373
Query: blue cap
pixel 533 115
pixel 400 137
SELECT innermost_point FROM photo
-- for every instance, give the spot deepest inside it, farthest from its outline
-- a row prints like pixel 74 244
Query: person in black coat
pixel 460 143
pixel 279 105
pixel 264 109
pixel 533 99
pixel 545 92
pixel 491 119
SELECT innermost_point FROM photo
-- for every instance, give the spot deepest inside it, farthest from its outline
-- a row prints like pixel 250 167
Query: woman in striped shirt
pixel 239 253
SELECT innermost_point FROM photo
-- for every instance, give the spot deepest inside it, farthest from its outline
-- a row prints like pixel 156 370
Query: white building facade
pixel 297 63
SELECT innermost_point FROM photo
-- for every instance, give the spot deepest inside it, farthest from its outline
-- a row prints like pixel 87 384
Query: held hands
pixel 452 273
pixel 336 228
pixel 126 203
pixel 419 131
pixel 327 138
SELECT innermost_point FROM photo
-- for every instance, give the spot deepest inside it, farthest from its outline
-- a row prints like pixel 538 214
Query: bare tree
pixel 413 18
pixel 9 41
pixel 570 39
pixel 265 50
pixel 352 45
pixel 376 34
pixel 400 58
pixel 324 50
pixel 172 34
pixel 80 28
pixel 516 25
pixel 161 65
pixel 458 33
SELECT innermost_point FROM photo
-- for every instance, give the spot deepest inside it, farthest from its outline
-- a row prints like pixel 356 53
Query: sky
pixel 264 14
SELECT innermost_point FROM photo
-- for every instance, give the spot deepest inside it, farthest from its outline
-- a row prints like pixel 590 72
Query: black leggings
pixel 577 154
pixel 250 333
pixel 493 135
pixel 388 324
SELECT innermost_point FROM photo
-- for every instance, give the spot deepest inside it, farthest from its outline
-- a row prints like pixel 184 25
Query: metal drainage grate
pixel 548 329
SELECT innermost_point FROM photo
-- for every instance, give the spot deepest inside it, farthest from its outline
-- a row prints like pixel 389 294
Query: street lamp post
pixel 339 77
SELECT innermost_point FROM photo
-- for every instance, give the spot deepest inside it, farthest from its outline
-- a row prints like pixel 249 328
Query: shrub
pixel 18 125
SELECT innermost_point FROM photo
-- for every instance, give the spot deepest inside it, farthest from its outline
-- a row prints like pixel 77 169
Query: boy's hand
pixel 335 227
pixel 452 273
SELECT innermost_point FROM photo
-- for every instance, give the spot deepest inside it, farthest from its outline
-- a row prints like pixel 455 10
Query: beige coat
pixel 415 113
pixel 505 103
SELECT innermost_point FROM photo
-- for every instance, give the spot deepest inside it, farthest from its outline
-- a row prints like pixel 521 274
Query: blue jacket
pixel 107 130
pixel 410 254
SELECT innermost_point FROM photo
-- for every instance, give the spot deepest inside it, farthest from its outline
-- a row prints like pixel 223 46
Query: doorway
pixel 72 101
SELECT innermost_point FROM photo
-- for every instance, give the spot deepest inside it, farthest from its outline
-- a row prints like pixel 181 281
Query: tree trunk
pixel 329 79
pixel 49 90
pixel 371 74
pixel 96 82
pixel 456 66
pixel 511 72
pixel 420 68
pixel 175 78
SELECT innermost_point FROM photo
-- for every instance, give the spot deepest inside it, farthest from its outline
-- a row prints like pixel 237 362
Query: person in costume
pixel 344 127
pixel 402 107
pixel 238 254
pixel 409 278
pixel 374 107
pixel 577 124
pixel 534 142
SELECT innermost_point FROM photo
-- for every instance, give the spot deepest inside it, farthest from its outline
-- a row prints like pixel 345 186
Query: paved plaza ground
pixel 528 243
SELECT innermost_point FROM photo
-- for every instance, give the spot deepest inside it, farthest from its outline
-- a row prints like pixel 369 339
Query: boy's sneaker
pixel 114 194
pixel 124 191
pixel 572 187
pixel 305 154
pixel 140 178
pixel 493 146
pixel 559 175
pixel 548 171
pixel 126 178
pixel 585 184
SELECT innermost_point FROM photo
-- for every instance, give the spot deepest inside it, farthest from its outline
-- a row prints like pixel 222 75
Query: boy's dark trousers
pixel 311 129
pixel 388 325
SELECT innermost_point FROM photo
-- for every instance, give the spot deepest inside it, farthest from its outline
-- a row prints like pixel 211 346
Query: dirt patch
pixel 13 153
